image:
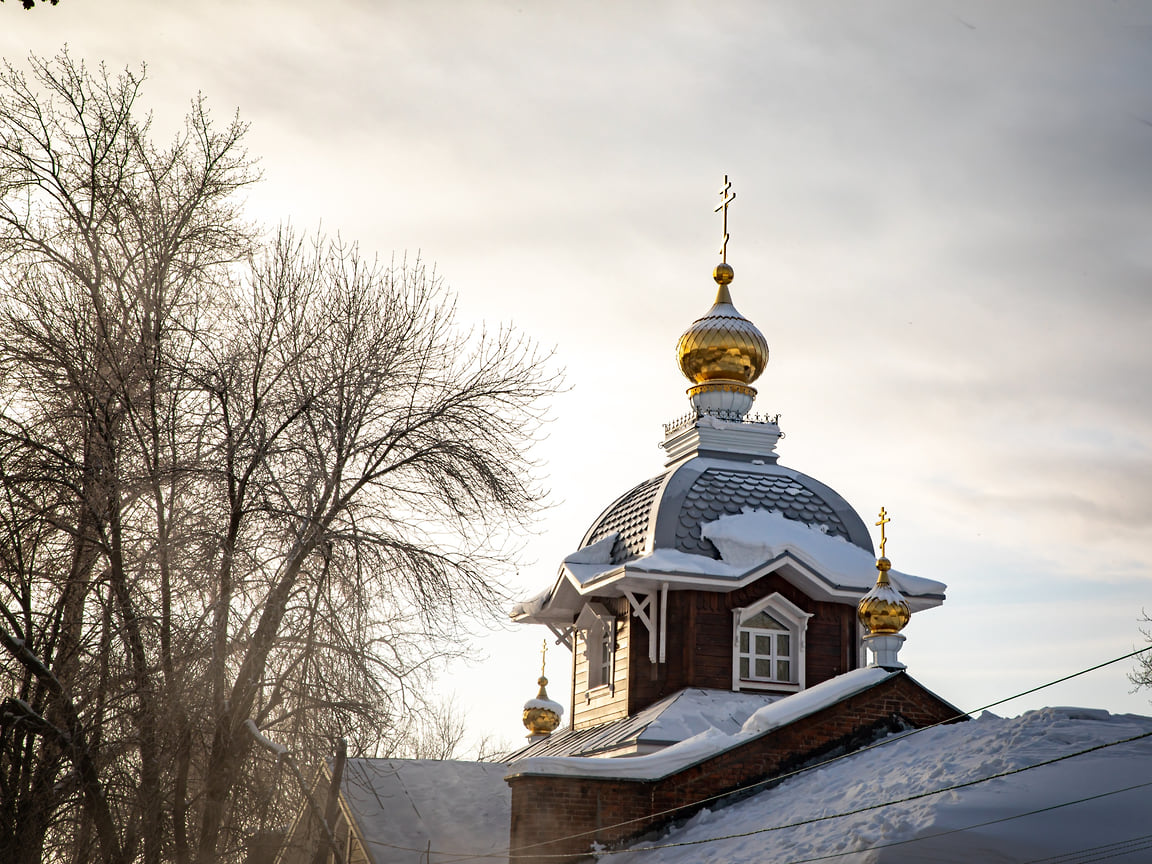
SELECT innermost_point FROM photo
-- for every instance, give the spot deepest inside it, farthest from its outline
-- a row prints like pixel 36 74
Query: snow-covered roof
pixel 403 807
pixel 711 740
pixel 751 543
pixel 673 719
pixel 666 512
pixel 982 822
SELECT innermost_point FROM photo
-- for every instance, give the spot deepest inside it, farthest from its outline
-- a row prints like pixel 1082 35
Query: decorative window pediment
pixel 768 645
pixel 597 629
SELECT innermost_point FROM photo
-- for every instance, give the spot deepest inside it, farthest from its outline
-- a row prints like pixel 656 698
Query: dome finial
pixel 541 715
pixel 883 610
pixel 722 353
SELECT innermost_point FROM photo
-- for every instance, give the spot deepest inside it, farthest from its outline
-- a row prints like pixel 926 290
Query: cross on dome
pixel 725 200
pixel 884 520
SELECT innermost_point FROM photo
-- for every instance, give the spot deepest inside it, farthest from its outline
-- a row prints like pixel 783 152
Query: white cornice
pixel 712 435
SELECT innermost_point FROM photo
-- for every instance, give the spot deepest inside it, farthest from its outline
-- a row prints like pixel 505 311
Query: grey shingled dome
pixel 677 502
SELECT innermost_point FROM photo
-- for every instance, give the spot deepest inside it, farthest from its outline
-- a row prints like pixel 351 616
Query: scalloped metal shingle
pixel 629 518
pixel 721 492
pixel 716 492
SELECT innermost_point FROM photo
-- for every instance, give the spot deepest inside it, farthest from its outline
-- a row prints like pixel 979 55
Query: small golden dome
pixel 541 715
pixel 882 610
pixel 723 345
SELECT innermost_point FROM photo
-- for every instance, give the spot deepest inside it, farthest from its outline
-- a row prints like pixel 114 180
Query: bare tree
pixel 242 480
pixel 31 4
pixel 1141 676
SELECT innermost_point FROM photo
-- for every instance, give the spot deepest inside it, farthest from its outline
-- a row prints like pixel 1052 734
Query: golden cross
pixel 884 520
pixel 543 657
pixel 725 200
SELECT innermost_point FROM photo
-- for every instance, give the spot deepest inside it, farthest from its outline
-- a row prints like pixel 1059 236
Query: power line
pixel 513 853
pixel 751 787
pixel 1108 848
pixel 1098 853
pixel 1057 859
pixel 867 808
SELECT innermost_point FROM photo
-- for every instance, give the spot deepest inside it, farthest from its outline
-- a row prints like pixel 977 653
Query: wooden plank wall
pixel 604 703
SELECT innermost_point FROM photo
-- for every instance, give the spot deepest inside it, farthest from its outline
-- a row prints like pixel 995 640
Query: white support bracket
pixel 563 635
pixel 642 609
pixel 663 619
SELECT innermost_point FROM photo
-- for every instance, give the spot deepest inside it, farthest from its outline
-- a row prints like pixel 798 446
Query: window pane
pixel 763 668
pixel 763 644
pixel 743 667
pixel 744 641
pixel 783 645
pixel 783 670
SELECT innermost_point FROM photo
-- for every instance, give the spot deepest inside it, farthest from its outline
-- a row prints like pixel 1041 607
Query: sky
pixel 941 227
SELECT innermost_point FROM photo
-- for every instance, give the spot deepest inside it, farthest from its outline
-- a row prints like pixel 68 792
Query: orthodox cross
pixel 543 656
pixel 884 520
pixel 725 200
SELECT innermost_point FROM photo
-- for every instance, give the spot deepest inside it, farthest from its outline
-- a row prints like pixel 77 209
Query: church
pixel 728 623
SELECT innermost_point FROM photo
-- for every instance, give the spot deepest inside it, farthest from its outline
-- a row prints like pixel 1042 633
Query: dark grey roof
pixel 702 490
pixel 628 517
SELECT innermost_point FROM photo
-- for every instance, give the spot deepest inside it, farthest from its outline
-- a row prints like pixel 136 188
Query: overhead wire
pixel 752 787
pixel 1064 858
pixel 865 809
pixel 1100 852
pixel 518 852
pixel 1057 859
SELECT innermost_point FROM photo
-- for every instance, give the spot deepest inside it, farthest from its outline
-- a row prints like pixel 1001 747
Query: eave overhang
pixel 578 581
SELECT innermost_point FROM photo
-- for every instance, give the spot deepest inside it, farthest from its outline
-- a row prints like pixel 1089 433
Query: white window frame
pixel 795 621
pixel 597 629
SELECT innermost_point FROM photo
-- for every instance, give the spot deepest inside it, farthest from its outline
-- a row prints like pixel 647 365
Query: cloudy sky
pixel 943 228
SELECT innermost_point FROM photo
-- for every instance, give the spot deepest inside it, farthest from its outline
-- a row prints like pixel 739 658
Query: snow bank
pixel 961 821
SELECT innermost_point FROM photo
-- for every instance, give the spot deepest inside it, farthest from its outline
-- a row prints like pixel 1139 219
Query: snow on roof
pixel 932 759
pixel 403 806
pixel 532 605
pixel 711 740
pixel 546 704
pixel 752 538
pixel 692 711
pixel 674 718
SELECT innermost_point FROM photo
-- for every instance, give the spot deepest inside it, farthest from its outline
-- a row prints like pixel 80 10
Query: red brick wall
pixel 564 815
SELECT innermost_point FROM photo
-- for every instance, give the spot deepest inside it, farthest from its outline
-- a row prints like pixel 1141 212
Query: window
pixel 597 629
pixel 768 645
pixel 600 674
pixel 765 649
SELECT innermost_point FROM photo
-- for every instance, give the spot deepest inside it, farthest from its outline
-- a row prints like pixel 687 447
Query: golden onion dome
pixel 882 610
pixel 723 345
pixel 542 715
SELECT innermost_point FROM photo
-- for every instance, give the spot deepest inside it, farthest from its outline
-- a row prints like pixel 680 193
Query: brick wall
pixel 564 815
